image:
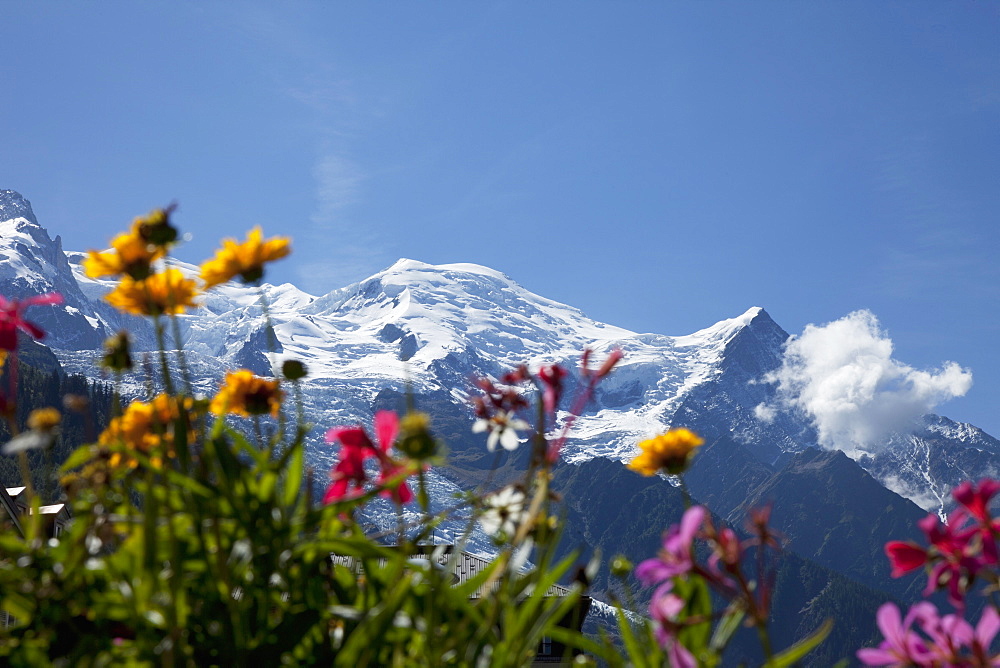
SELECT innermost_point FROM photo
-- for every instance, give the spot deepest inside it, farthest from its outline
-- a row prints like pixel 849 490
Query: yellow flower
pixel 3 357
pixel 145 426
pixel 44 419
pixel 670 452
pixel 243 393
pixel 131 255
pixel 245 260
pixel 166 292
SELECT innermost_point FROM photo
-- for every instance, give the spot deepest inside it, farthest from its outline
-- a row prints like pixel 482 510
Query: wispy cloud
pixel 338 185
pixel 843 377
pixel 339 246
pixel 349 250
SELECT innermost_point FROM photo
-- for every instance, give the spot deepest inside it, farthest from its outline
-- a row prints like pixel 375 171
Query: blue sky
pixel 659 165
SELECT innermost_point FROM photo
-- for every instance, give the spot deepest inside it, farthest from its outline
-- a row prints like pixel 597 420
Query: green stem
pixel 685 492
pixel 258 432
pixel 300 415
pixel 423 497
pixel 116 399
pixel 272 338
pixel 765 640
pixel 161 344
pixel 181 356
pixel 29 489
pixel 272 346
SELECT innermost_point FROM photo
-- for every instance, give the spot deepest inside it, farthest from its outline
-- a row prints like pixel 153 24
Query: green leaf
pixel 698 604
pixel 268 482
pixel 576 640
pixel 802 647
pixel 293 473
pixel 78 458
pixel 725 629
pixel 635 652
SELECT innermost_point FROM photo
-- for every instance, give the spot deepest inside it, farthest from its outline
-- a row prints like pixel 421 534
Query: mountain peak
pixel 406 266
pixel 14 205
pixel 725 330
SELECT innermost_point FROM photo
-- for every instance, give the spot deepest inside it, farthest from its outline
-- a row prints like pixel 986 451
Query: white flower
pixel 503 428
pixel 504 512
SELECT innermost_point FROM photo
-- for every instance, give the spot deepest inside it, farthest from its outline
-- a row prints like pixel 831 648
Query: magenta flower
pixel 955 563
pixel 349 472
pixel 727 551
pixel 950 640
pixel 613 358
pixel 552 386
pixel 977 499
pixel 665 610
pixel 902 645
pixel 675 557
pixel 12 318
pixel 904 556
pixel 356 448
pixel 982 637
pixel 954 642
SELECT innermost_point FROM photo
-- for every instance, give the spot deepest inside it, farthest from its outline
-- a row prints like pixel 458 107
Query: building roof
pixel 10 506
pixel 464 566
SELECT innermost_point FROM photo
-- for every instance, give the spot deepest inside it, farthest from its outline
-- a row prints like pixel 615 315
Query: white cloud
pixel 340 251
pixel 765 412
pixel 843 377
pixel 338 182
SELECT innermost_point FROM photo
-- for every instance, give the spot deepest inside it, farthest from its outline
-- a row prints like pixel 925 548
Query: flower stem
pixel 181 357
pixel 161 344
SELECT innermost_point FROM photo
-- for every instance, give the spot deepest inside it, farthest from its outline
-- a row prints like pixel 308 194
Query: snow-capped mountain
pixel 433 327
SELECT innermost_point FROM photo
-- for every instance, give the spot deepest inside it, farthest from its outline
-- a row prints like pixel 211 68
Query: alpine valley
pixel 429 330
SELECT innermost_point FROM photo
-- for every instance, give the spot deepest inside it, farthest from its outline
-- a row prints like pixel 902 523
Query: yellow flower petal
pixel 243 393
pixel 245 260
pixel 670 452
pixel 167 292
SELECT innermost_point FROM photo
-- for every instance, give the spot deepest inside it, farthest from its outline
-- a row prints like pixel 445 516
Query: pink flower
pixel 956 643
pixel 904 556
pixel 583 396
pixel 949 641
pixel 982 638
pixel 675 557
pixel 356 448
pixel 727 550
pixel 902 645
pixel 977 499
pixel 552 385
pixel 954 563
pixel 401 493
pixel 12 318
pixel 613 358
pixel 665 610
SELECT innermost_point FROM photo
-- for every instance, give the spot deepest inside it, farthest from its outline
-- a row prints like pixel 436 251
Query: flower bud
pixel 44 419
pixel 294 370
pixel 116 352
pixel 156 229
pixel 621 567
pixel 415 438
